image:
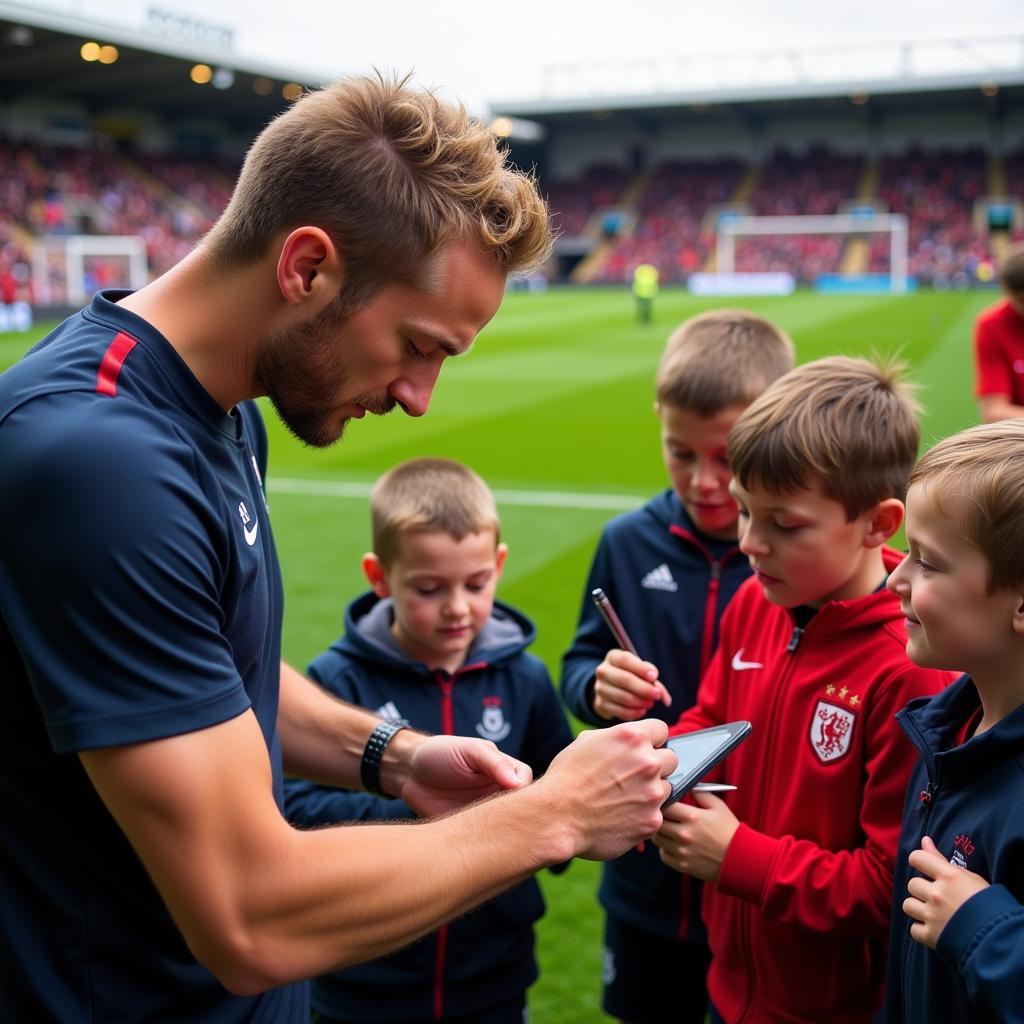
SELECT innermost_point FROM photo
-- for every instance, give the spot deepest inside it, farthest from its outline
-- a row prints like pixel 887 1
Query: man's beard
pixel 299 371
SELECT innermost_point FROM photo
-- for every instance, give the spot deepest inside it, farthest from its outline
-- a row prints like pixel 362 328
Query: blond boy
pixel 811 652
pixel 429 645
pixel 957 952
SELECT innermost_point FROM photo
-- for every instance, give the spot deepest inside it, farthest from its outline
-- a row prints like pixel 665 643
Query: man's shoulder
pixel 75 430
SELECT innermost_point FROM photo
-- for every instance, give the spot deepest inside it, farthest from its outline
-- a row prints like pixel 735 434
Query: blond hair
pixel 391 174
pixel 976 479
pixel 849 425
pixel 429 495
pixel 719 359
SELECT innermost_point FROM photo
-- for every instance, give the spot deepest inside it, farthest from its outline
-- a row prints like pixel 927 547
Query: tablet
pixel 700 751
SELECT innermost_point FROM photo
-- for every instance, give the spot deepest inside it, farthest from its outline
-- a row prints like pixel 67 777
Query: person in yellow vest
pixel 645 288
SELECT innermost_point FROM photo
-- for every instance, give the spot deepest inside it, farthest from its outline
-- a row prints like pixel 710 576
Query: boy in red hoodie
pixel 812 652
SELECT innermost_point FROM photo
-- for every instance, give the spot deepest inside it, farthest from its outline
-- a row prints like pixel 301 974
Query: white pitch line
pixel 545 499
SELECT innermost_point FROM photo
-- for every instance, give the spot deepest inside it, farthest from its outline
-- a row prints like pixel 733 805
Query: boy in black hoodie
pixel 429 645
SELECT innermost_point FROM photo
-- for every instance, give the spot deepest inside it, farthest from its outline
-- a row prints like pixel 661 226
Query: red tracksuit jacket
pixel 798 920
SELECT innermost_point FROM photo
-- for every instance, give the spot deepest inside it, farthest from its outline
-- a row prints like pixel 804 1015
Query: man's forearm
pixel 362 891
pixel 323 738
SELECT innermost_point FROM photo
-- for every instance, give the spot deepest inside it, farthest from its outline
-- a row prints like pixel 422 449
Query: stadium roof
pixel 898 75
pixel 40 56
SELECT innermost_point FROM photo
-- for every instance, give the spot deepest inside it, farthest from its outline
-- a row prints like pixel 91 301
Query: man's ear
pixel 310 269
pixel 884 520
pixel 376 574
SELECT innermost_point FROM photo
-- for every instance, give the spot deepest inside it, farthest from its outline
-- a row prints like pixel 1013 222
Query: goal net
pixel 68 269
pixel 843 225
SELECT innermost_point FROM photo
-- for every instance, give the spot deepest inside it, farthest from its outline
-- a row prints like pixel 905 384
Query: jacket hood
pixel 869 612
pixel 670 513
pixel 935 722
pixel 668 510
pixel 368 635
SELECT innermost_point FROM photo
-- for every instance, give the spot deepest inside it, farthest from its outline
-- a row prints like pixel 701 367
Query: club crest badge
pixel 492 725
pixel 963 847
pixel 831 731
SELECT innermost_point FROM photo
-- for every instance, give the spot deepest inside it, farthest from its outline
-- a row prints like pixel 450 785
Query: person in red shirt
pixel 800 859
pixel 999 345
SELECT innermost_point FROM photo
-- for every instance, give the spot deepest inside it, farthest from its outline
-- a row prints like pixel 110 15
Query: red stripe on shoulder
pixel 113 360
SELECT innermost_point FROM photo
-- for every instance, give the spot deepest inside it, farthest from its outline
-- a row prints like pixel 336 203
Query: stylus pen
pixel 614 623
pixel 608 613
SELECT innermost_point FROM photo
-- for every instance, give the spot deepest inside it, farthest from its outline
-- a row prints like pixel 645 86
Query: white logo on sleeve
pixel 389 712
pixel 250 535
pixel 660 579
pixel 739 665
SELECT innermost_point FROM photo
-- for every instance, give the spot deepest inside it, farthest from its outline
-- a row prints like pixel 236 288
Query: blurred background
pixel 855 182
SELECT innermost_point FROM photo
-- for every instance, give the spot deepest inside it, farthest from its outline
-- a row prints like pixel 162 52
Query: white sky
pixel 482 51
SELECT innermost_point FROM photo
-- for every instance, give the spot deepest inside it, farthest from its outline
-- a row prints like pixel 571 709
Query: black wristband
pixel 369 768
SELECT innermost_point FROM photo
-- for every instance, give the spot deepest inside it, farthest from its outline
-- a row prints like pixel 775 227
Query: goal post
pixel 60 264
pixel 893 224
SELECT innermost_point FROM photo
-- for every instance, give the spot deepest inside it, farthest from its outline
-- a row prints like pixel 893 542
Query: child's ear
pixel 1018 615
pixel 499 558
pixel 885 520
pixel 376 574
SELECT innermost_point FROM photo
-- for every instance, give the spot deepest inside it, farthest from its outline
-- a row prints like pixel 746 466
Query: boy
pixel 999 345
pixel 431 646
pixel 811 652
pixel 962 590
pixel 669 569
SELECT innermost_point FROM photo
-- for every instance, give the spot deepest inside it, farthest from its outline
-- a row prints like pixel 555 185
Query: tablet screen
pixel 700 751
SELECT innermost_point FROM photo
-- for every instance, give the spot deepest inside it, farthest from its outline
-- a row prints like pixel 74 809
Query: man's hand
pixel 693 840
pixel 626 687
pixel 606 788
pixel 446 772
pixel 937 895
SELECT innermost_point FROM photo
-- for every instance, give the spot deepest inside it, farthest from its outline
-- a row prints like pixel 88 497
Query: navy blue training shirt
pixel 140 598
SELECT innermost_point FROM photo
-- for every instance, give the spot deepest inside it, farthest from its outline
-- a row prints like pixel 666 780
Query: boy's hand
pixel 937 896
pixel 447 772
pixel 626 687
pixel 693 840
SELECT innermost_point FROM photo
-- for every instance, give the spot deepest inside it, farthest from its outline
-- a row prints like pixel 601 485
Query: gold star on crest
pixel 854 701
pixel 843 692
pixel 830 689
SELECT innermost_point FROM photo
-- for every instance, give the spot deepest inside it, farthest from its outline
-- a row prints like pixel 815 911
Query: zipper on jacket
pixel 747 913
pixel 707 640
pixel 926 798
pixel 446 682
pixel 711 601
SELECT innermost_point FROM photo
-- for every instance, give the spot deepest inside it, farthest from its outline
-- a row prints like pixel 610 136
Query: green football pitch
pixel 553 409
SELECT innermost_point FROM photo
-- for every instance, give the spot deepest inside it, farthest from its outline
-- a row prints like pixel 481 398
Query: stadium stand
pixel 641 186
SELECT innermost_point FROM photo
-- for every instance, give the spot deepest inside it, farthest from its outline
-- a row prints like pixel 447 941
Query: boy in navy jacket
pixel 430 646
pixel 957 949
pixel 669 569
pixel 800 859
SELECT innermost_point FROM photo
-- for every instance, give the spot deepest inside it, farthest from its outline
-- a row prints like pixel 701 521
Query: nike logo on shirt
pixel 250 535
pixel 739 665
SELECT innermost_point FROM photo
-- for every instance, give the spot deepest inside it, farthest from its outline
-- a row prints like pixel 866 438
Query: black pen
pixel 614 623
